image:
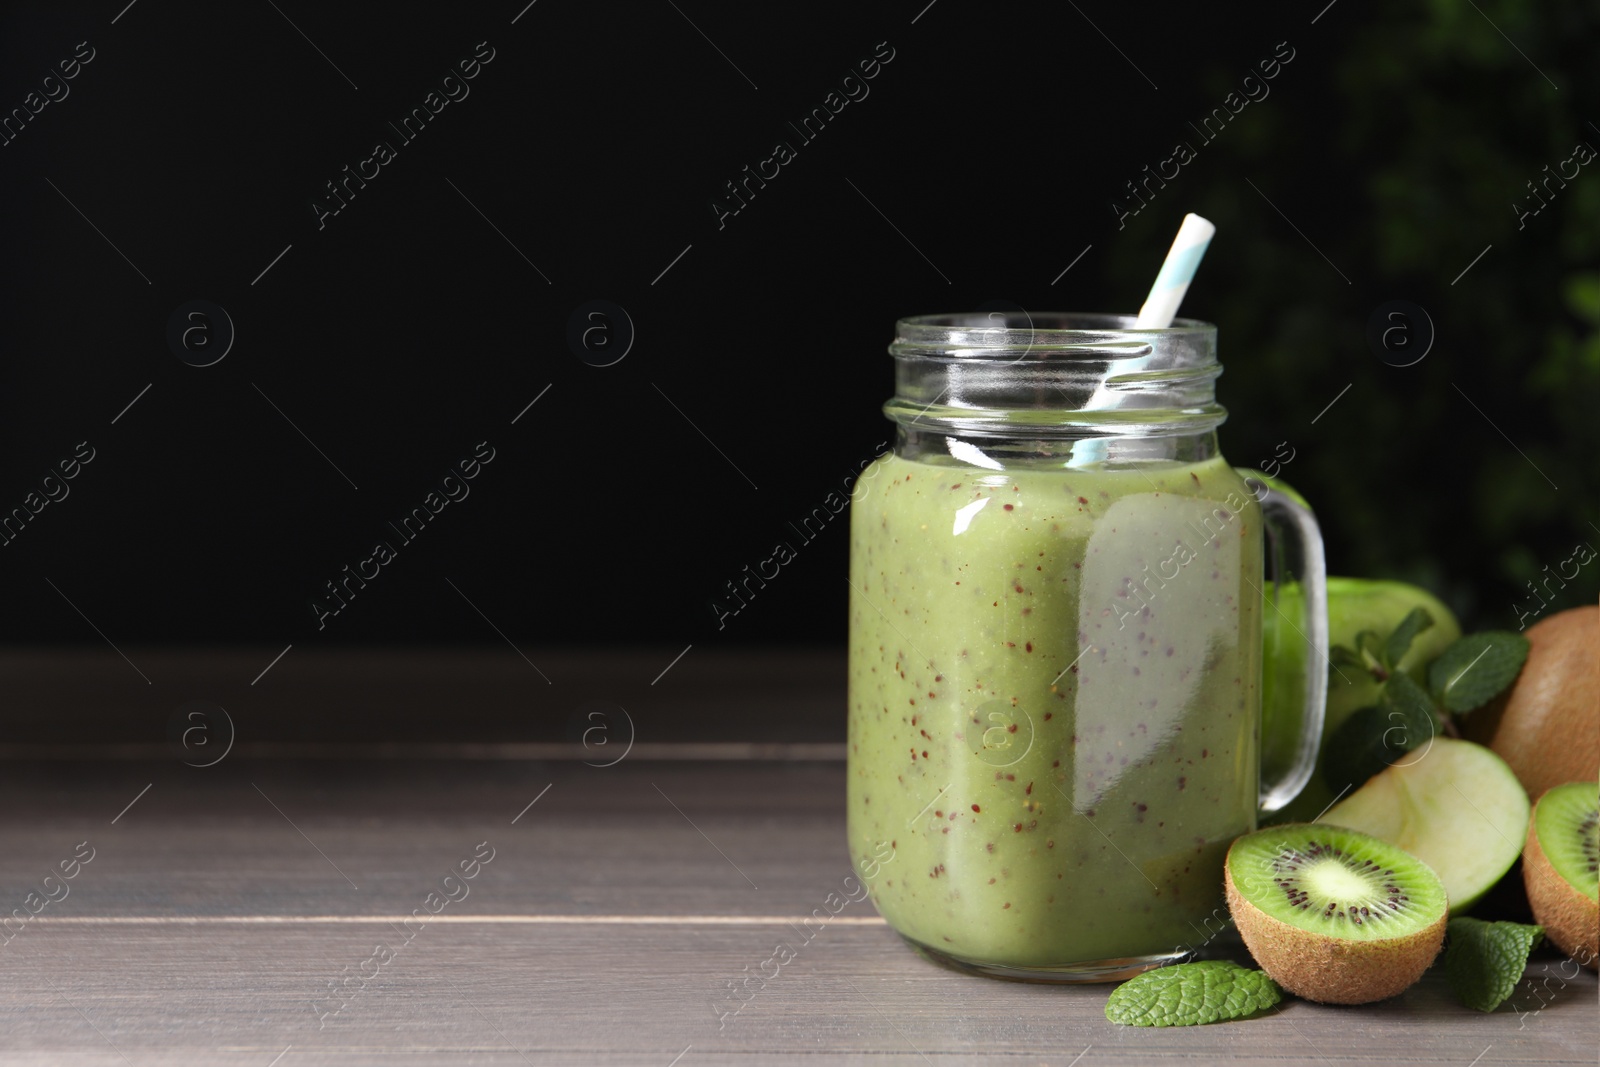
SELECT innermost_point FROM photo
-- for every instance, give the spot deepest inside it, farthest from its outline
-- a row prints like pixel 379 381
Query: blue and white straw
pixel 1177 270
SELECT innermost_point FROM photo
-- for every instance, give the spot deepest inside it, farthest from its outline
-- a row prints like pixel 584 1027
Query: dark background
pixel 1387 156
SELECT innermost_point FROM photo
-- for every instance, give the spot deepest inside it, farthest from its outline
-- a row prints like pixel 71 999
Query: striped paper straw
pixel 1177 270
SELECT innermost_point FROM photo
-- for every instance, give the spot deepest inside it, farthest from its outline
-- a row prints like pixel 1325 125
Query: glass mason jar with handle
pixel 1055 681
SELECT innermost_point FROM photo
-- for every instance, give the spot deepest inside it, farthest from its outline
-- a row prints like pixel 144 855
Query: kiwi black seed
pixel 1561 868
pixel 1334 915
pixel 1589 834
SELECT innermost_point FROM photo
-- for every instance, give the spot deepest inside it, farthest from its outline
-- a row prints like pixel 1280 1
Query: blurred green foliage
pixel 1400 143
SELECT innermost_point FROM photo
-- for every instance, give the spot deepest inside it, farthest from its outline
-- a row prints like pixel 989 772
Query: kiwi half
pixel 1334 915
pixel 1561 868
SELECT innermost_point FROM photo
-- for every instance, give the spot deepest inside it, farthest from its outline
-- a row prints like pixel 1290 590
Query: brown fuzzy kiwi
pixel 1322 950
pixel 1570 917
pixel 1547 726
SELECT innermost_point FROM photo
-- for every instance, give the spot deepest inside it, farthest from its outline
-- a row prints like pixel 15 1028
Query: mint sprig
pixel 1466 675
pixel 1475 669
pixel 1192 994
pixel 1485 960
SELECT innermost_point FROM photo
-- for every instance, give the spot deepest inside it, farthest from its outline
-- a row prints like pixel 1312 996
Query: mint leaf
pixel 1341 656
pixel 1369 644
pixel 1191 994
pixel 1475 669
pixel 1408 712
pixel 1485 960
pixel 1399 643
pixel 1359 749
pixel 1372 738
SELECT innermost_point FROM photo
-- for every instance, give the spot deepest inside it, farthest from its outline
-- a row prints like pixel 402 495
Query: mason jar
pixel 1055 679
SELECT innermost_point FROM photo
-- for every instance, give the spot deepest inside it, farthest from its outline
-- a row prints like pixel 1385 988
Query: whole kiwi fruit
pixel 1547 725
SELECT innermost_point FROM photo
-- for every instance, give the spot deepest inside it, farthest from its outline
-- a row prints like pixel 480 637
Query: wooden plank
pixel 600 841
pixel 599 993
pixel 604 930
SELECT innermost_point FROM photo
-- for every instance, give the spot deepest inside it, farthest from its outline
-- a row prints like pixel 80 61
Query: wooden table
pixel 220 903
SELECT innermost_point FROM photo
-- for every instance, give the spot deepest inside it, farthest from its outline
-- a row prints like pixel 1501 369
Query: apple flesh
pixel 1454 805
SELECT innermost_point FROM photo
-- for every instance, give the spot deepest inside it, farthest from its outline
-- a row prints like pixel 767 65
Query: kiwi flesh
pixel 1334 915
pixel 1561 868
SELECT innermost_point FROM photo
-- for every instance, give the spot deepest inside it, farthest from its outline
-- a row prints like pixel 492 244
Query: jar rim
pixel 1038 327
pixel 1012 373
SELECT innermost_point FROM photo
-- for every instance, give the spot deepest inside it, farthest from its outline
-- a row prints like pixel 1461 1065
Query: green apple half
pixel 1454 805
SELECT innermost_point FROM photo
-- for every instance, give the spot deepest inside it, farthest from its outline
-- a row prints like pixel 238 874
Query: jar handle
pixel 1295 652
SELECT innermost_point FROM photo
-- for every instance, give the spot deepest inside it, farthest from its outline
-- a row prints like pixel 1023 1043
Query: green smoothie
pixel 1054 703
